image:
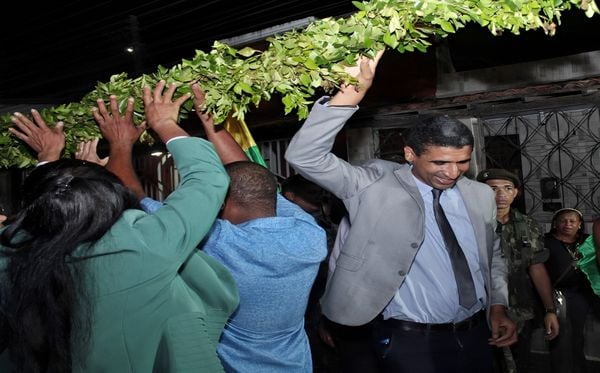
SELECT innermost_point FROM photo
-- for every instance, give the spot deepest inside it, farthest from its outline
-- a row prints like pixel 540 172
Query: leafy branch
pixel 297 63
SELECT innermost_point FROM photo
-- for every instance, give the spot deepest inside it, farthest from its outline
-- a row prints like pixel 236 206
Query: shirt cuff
pixel 325 102
pixel 175 138
pixel 150 205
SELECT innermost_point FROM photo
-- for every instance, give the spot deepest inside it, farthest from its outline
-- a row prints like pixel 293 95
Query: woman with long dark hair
pixel 90 283
pixel 45 248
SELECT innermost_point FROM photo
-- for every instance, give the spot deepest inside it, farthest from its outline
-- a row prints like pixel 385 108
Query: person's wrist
pixel 550 310
pixel 167 134
pixel 347 96
pixel 162 123
pixel 121 145
pixel 48 156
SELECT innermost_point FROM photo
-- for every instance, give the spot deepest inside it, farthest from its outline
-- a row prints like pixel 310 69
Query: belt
pixel 466 324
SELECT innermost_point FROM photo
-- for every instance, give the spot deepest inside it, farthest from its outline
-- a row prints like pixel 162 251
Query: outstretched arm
pixel 310 150
pixel 121 134
pixel 227 148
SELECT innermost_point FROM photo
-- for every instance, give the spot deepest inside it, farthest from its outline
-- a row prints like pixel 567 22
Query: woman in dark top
pixel 567 350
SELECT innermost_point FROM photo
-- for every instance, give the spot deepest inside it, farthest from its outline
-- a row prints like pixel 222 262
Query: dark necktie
pixel 464 282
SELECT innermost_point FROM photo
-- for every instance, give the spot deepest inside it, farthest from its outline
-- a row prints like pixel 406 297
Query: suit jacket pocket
pixel 349 262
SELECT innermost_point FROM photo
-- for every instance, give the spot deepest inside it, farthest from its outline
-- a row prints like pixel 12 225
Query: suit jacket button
pixel 414 245
pixel 402 273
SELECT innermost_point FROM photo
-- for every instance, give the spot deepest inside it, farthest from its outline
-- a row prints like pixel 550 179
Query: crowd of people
pixel 378 267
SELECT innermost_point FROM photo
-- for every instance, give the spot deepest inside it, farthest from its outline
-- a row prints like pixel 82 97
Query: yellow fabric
pixel 239 130
pixel 241 134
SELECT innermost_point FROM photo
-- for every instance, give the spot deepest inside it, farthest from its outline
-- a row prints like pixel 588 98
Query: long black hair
pixel 68 205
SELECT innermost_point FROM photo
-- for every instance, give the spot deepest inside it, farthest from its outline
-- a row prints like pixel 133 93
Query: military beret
pixel 498 173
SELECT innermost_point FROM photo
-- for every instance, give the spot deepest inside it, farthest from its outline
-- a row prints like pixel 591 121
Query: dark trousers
pixel 353 347
pixel 406 350
pixel 567 350
pixel 521 350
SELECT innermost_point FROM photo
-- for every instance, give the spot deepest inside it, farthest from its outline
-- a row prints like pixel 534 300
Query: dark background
pixel 56 51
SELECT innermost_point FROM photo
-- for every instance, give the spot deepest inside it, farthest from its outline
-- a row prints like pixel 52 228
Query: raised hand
pixel 226 146
pixel 364 72
pixel 162 112
pixel 205 118
pixel 121 133
pixel 119 130
pixel 47 142
pixel 88 151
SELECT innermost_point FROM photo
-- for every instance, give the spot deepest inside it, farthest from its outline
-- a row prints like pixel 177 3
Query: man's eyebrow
pixel 442 161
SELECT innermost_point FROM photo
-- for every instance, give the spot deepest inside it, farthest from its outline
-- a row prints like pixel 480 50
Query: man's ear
pixel 409 154
pixel 223 206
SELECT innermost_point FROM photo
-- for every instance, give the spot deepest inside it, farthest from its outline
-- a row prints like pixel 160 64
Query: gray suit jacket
pixel 387 219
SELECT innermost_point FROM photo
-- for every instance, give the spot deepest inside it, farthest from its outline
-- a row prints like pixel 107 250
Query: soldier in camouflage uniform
pixel 523 247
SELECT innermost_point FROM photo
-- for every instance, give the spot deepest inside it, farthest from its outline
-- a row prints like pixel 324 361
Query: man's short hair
pixel 251 184
pixel 438 131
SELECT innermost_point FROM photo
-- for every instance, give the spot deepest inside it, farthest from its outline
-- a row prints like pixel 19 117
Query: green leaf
pixel 305 79
pixel 247 51
pixel 311 64
pixel 316 80
pixel 390 40
pixel 446 26
pixel 359 5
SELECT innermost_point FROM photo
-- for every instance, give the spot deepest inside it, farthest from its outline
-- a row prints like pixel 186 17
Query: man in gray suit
pixel 395 265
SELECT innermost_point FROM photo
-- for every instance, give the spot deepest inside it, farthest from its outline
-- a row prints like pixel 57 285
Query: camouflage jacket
pixel 522 245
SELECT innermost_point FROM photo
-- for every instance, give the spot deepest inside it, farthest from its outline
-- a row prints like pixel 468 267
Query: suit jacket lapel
pixel 474 211
pixel 405 178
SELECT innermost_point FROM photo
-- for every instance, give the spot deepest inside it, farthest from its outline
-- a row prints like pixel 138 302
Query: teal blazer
pixel 158 304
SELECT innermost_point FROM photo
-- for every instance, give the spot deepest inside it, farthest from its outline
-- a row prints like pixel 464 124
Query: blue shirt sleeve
pixel 150 205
